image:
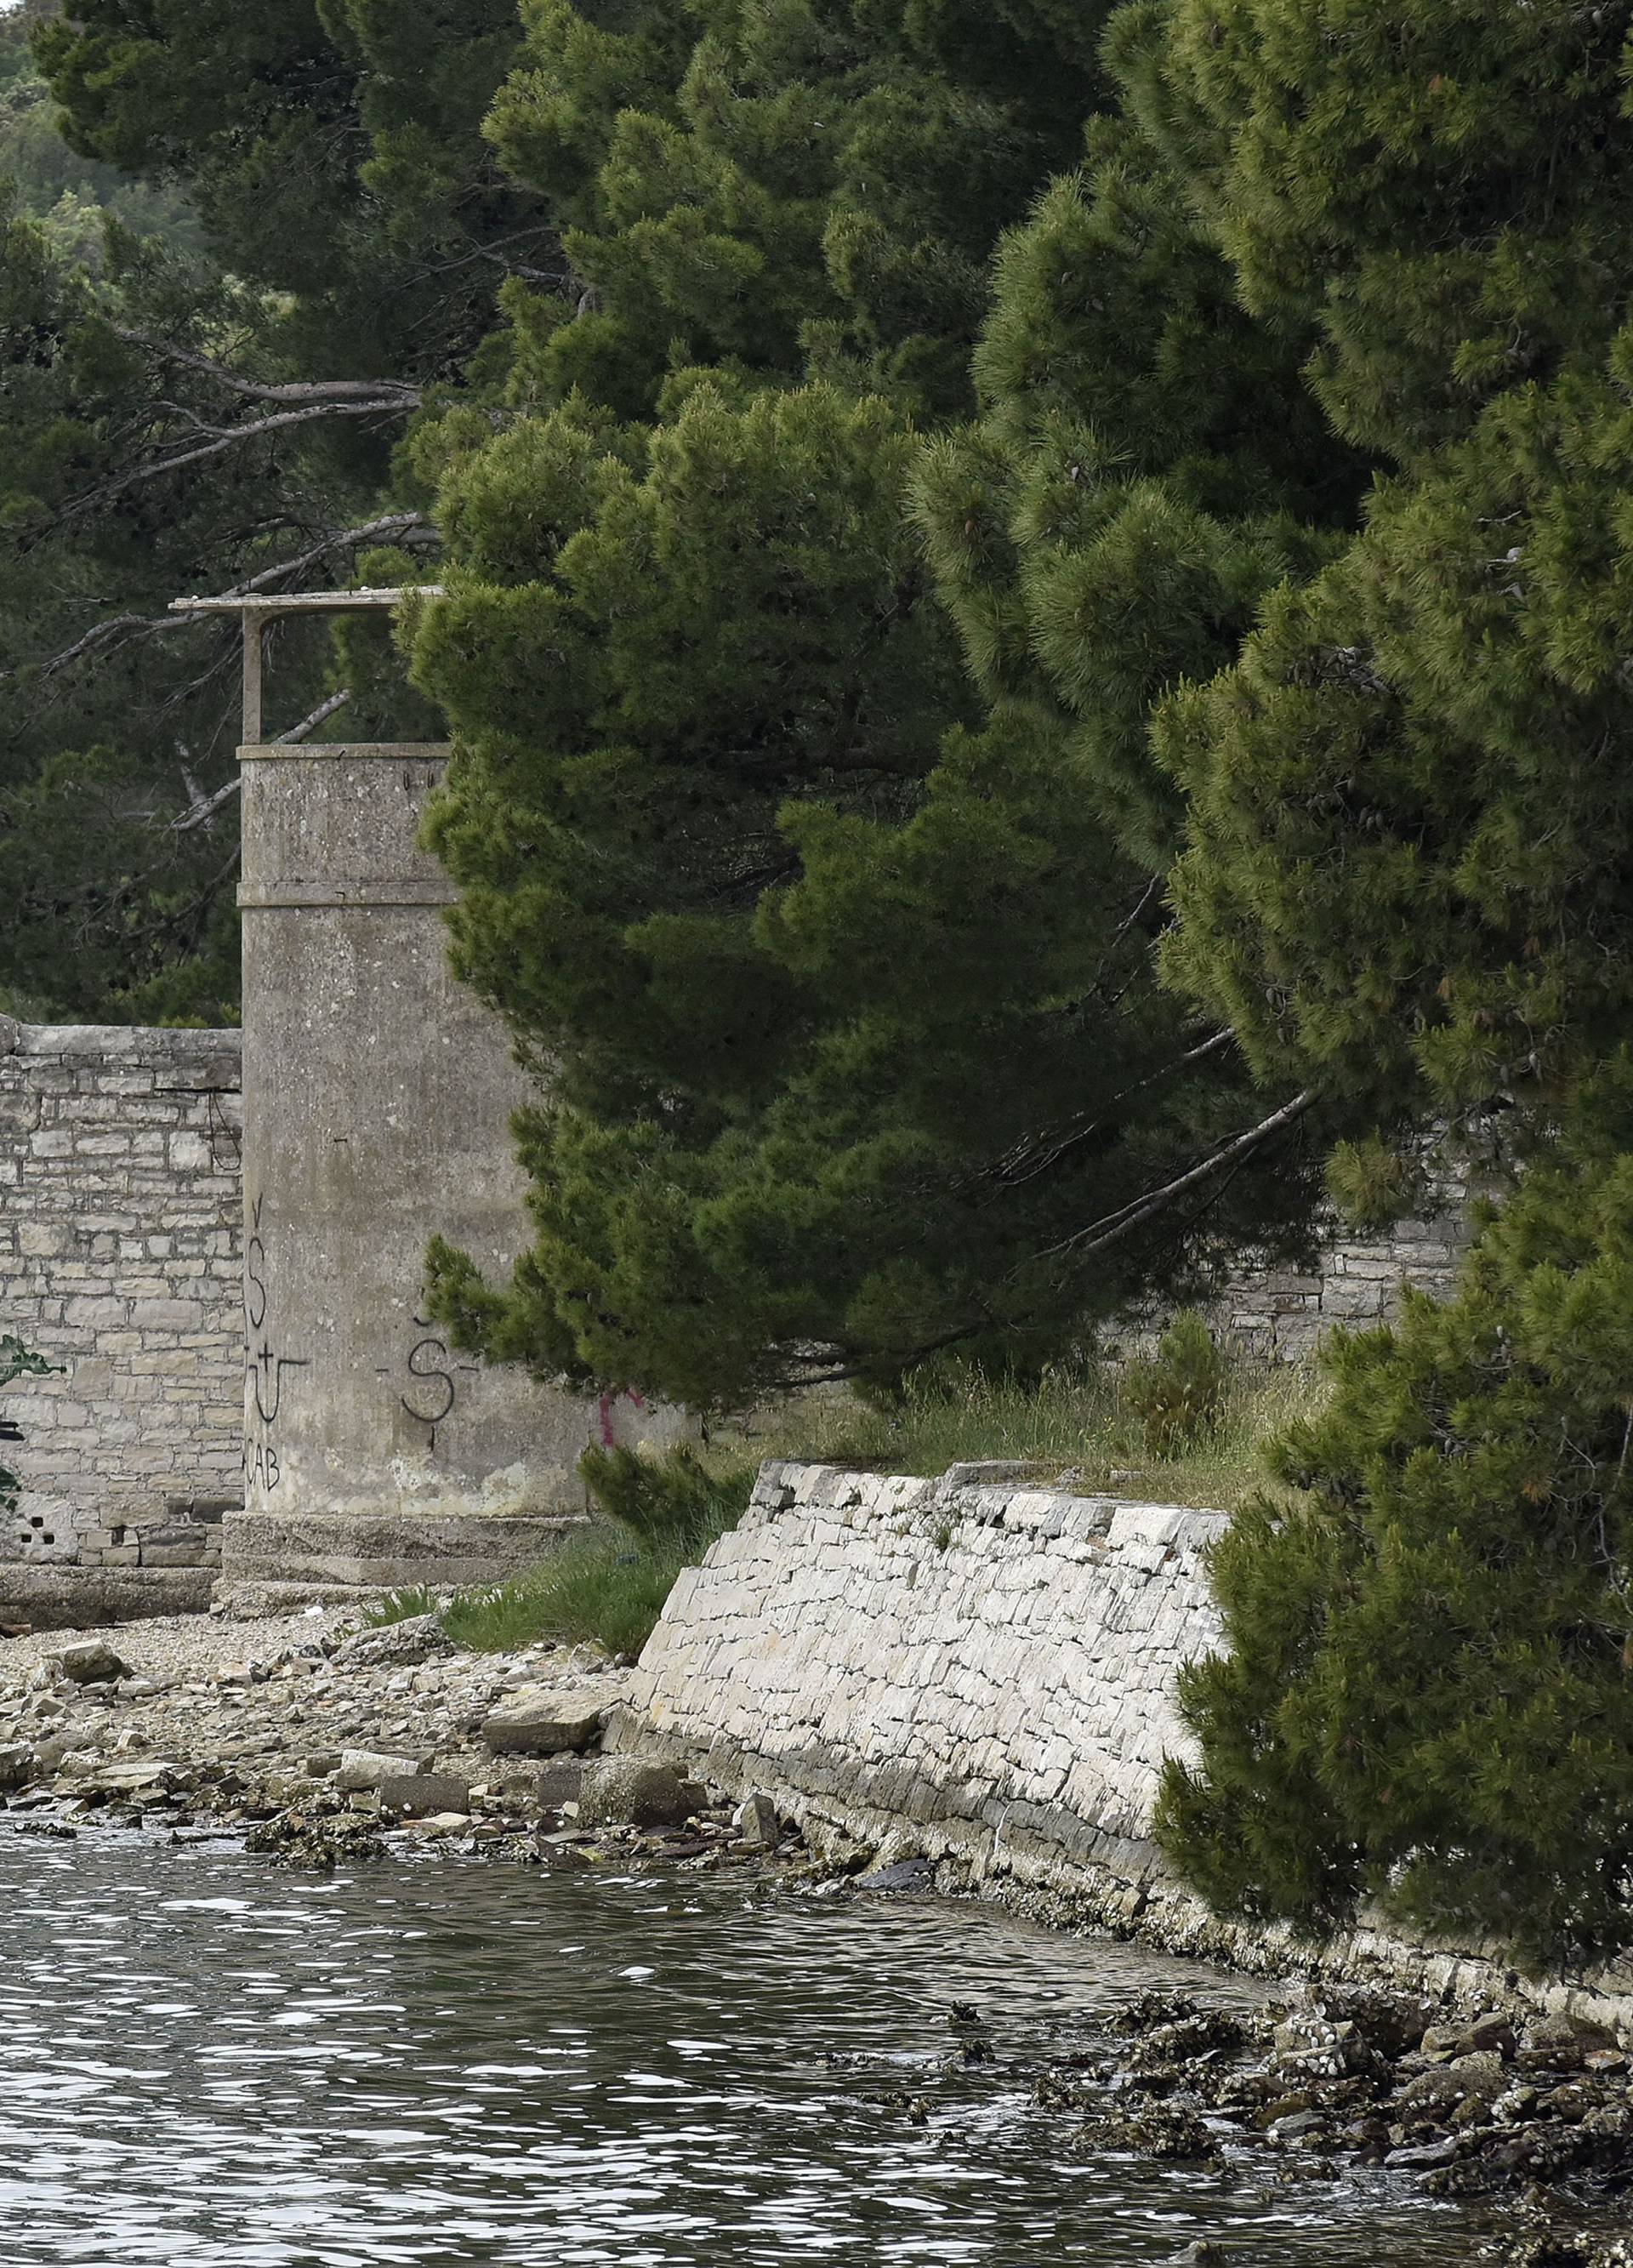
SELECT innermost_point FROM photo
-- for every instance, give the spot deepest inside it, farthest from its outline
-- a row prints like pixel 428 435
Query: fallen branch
pixel 1112 1227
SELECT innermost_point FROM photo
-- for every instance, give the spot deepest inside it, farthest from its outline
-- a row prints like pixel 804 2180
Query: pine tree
pixel 1408 830
pixel 1147 466
pixel 1424 1696
pixel 792 188
pixel 842 985
pixel 1405 883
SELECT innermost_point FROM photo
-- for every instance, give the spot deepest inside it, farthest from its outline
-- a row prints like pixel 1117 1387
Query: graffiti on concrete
pixel 433 1388
pixel 266 1368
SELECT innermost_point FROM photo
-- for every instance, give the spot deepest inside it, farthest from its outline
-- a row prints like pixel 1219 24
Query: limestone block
pixel 423 1794
pixel 546 1787
pixel 89 1662
pixel 619 1791
pixel 546 1720
pixel 166 1314
pixel 191 1551
pixel 365 1770
pixel 19 1765
pixel 756 1821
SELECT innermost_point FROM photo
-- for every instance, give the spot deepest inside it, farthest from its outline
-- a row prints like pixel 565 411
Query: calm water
pixel 206 2061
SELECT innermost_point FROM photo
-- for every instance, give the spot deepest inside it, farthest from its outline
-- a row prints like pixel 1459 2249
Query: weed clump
pixel 1179 1393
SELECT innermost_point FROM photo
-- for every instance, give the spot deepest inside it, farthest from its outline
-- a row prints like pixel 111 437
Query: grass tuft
pixel 401 1606
pixel 609 1583
pixel 601 1585
pixel 1082 1422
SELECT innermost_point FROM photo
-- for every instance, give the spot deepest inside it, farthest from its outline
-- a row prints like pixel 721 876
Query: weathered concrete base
pixel 387 1552
pixel 249 1602
pixel 984 1675
pixel 85 1598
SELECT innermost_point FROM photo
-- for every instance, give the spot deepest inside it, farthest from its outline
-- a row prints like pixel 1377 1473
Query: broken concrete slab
pixel 548 1720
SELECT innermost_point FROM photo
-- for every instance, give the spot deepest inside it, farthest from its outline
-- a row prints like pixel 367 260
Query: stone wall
pixel 981 1672
pixel 1276 1314
pixel 120 1240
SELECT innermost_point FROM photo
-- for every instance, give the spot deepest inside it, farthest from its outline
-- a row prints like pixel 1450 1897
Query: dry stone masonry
pixel 119 1261
pixel 989 1662
pixel 980 1672
pixel 1278 1315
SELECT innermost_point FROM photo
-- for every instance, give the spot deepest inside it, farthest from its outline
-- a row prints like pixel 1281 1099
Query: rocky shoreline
pixel 318 1742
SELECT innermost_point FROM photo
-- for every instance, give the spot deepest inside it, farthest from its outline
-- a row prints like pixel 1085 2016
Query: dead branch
pixel 319 715
pixel 174 460
pixel 1037 1155
pixel 324 390
pixel 201 813
pixel 1113 1227
pixel 397 526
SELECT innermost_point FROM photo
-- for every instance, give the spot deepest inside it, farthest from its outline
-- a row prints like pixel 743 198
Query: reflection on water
pixel 203 2061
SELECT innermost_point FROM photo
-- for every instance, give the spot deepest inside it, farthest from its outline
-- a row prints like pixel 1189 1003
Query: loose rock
pixel 420 1795
pixel 362 1770
pixel 758 1827
pixel 89 1662
pixel 17 1765
pixel 620 1791
pixel 543 1720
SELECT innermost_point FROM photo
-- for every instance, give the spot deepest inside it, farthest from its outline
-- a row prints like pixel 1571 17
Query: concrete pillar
pixel 378 1097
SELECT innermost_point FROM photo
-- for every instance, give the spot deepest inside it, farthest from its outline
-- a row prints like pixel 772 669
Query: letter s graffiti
pixel 254 1283
pixel 424 1361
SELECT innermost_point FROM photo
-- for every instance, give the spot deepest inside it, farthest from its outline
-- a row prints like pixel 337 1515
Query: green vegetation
pixel 602 1586
pixel 211 402
pixel 658 1515
pixel 1428 1697
pixel 1405 881
pixel 773 837
pixel 1036 650
pixel 1070 1419
pixel 71 195
pixel 16 1361
pixel 1178 1394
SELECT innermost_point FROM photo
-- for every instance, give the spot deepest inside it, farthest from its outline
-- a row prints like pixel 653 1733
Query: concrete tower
pixel 378 1098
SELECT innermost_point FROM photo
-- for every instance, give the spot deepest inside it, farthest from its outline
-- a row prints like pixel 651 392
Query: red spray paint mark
pixel 609 1403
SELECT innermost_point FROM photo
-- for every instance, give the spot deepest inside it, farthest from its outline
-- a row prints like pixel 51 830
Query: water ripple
pixel 207 2064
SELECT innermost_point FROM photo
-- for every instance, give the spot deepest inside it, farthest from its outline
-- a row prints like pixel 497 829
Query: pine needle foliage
pixel 674 1501
pixel 809 842
pixel 1407 837
pixel 1179 1393
pixel 1425 1696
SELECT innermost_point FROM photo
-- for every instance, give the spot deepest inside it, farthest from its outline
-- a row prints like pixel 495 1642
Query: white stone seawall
pixel 981 1671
